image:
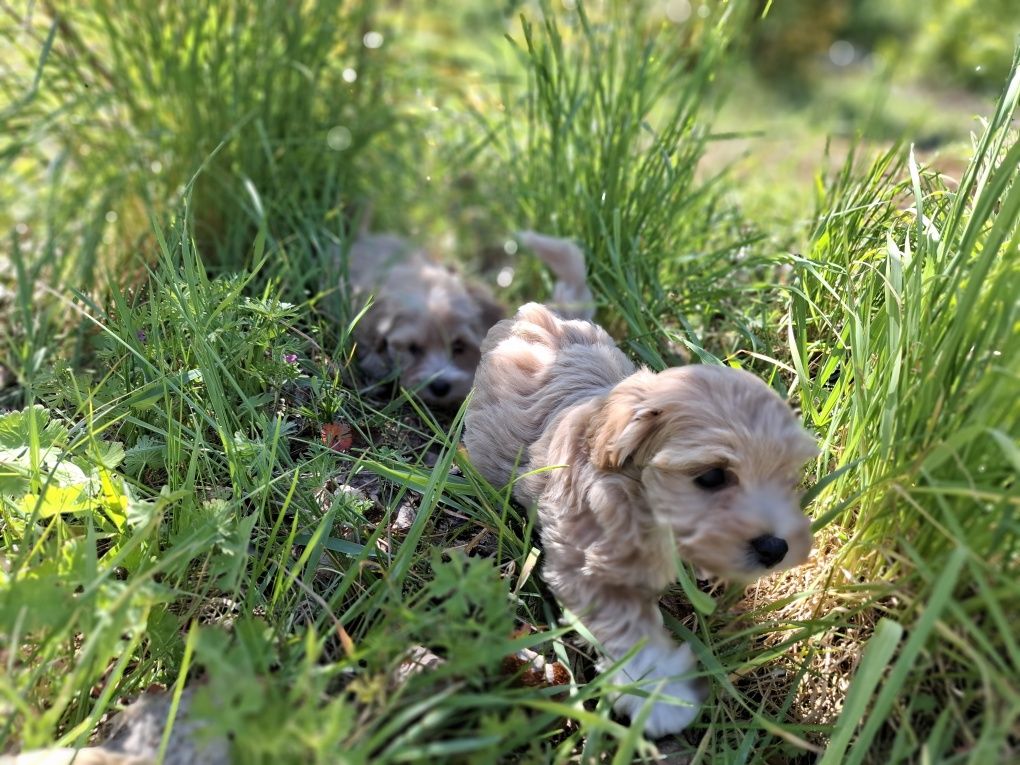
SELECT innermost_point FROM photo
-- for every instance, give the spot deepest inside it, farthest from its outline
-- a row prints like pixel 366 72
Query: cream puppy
pixel 628 469
pixel 426 322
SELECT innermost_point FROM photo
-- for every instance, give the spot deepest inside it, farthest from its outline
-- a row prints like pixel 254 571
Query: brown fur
pixel 609 455
pixel 426 322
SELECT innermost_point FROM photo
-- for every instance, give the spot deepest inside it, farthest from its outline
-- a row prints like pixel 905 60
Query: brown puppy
pixel 427 323
pixel 628 469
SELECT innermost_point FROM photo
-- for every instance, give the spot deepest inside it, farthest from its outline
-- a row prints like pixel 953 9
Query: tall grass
pixel 139 95
pixel 904 331
pixel 118 110
pixel 603 147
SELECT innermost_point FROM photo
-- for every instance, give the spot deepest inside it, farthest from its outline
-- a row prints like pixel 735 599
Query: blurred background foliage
pixel 943 43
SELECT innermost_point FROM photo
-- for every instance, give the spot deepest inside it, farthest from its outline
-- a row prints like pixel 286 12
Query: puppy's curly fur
pixel 629 468
pixel 427 322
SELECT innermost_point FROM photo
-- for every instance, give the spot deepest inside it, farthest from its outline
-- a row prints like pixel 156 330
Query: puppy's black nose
pixel 439 388
pixel 769 549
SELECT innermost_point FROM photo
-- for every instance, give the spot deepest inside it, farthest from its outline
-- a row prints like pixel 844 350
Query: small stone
pixel 405 518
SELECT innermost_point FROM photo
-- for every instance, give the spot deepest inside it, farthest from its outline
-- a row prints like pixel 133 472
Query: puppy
pixel 628 469
pixel 426 323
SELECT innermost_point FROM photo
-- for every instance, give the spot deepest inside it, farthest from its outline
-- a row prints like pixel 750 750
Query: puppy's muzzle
pixel 769 550
pixel 439 387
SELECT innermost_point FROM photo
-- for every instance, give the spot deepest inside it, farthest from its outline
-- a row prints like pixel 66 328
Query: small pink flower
pixel 290 358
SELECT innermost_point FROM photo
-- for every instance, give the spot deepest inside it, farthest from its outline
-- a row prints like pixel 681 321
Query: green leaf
pixel 149 395
pixel 877 655
pixel 57 500
pixel 336 545
pixel 703 604
pixel 809 496
pixel 16 472
pixel 233 558
pixel 15 428
pixel 147 452
pixel 41 598
pixel 906 662
pixel 115 500
pixel 140 512
pixel 108 454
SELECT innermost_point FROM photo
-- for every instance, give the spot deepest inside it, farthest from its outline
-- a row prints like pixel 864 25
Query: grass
pixel 172 509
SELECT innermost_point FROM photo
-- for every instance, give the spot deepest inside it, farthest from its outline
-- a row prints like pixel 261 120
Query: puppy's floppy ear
pixel 491 311
pixel 617 432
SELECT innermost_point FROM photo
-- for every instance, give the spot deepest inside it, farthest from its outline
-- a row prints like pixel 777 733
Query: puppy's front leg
pixel 625 618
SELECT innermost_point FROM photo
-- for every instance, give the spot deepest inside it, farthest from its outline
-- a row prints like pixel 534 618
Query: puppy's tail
pixel 571 297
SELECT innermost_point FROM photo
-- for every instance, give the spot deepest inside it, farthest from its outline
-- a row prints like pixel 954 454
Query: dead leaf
pixel 345 640
pixel 337 436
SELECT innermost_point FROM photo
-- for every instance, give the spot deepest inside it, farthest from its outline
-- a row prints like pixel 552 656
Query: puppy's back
pixel 533 367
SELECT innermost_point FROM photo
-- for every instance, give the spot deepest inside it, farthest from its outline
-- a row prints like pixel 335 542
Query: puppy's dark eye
pixel 414 349
pixel 713 480
pixel 458 347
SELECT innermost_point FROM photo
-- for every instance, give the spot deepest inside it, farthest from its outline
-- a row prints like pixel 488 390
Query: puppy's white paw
pixel 657 670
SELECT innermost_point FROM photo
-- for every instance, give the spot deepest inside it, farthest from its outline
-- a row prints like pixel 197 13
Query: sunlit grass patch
pixel 118 111
pixel 901 325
